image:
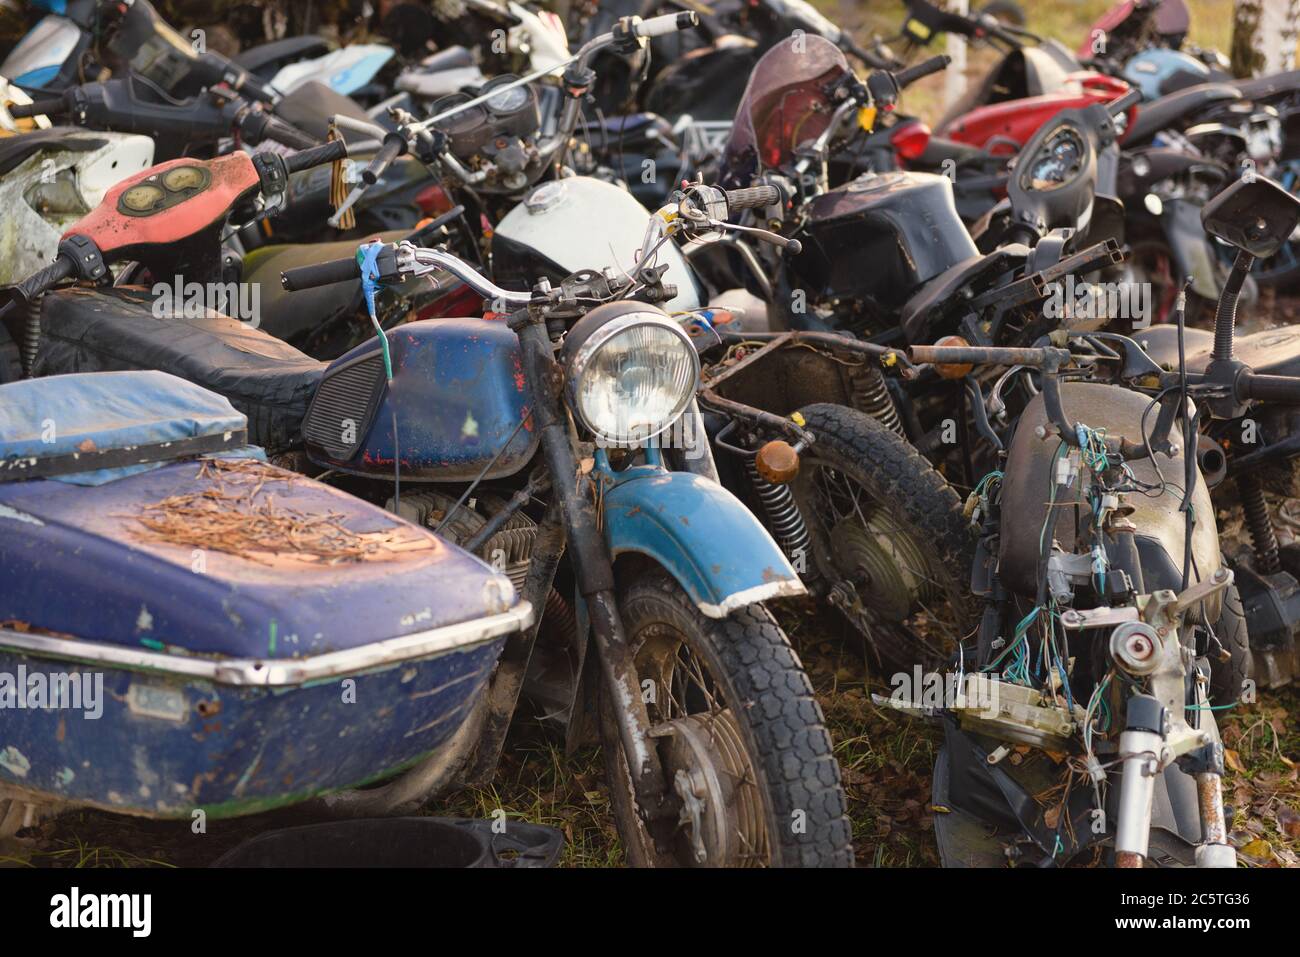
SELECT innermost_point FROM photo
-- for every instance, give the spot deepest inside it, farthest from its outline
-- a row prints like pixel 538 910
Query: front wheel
pixel 744 746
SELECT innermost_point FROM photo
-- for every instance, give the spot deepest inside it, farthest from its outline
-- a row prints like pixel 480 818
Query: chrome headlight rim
pixel 606 323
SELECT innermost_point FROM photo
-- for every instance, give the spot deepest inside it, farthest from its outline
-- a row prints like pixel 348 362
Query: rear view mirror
pixel 1257 216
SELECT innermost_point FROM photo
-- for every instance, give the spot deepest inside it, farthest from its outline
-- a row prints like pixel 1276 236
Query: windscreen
pixel 787 103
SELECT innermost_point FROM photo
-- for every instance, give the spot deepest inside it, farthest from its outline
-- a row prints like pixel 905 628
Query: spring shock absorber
pixel 785 520
pixel 31 336
pixel 1259 525
pixel 871 395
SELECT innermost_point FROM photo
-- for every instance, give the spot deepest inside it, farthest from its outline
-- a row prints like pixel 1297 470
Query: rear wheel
pixel 892 550
pixel 744 746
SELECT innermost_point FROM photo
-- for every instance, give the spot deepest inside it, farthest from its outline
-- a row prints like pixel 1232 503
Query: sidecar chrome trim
pixel 279 673
pixel 789 588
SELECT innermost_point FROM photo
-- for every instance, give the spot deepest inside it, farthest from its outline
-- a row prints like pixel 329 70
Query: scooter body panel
pixel 997 126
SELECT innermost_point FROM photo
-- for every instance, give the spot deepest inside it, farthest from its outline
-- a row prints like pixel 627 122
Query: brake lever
pixel 791 246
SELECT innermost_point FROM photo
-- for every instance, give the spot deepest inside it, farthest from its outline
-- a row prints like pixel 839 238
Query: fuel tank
pixel 902 229
pixel 1029 472
pixel 567 225
pixel 457 395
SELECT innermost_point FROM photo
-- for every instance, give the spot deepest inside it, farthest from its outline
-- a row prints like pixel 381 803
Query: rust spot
pixel 633 512
pixel 207 709
pixel 685 520
pixel 770 574
pixel 62 731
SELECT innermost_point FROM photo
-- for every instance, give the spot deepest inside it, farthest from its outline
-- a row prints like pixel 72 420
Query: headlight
pixel 631 371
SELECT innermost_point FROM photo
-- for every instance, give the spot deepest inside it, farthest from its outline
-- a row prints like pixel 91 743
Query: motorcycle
pixel 708 758
pixel 208 601
pixel 1130 588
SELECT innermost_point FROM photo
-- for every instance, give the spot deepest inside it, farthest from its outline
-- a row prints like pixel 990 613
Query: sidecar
pixel 185 627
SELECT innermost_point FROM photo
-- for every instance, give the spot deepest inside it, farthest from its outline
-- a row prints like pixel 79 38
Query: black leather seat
pixel 1271 352
pixel 1263 88
pixel 93 330
pixel 1169 110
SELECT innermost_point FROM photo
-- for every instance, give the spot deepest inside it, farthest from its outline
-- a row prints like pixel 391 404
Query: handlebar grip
pixel 394 146
pixel 55 106
pixel 1282 389
pixel 316 156
pixel 935 64
pixel 320 274
pixel 668 23
pixel 288 135
pixel 42 281
pixel 753 197
pixel 1126 102
pixel 985 355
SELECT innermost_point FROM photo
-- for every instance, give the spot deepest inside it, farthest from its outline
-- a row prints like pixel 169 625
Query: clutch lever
pixel 791 246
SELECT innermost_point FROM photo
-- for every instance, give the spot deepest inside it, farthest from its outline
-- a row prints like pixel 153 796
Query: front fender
pixel 702 534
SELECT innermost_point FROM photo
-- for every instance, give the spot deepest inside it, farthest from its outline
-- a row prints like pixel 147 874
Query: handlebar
pixel 54 106
pixel 1284 390
pixel 320 274
pixel 753 197
pixel 1124 103
pixel 316 156
pixel 935 64
pixel 42 281
pixel 666 24
pixel 394 146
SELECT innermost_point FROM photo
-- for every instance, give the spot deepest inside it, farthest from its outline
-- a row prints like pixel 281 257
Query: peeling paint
pixel 15 762
pixel 17 516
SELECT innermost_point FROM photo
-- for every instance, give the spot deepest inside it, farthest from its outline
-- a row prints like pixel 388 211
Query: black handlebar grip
pixel 394 146
pixel 316 156
pixel 42 281
pixel 1282 389
pixel 56 106
pixel 288 135
pixel 320 274
pixel 1122 105
pixel 910 75
pixel 754 197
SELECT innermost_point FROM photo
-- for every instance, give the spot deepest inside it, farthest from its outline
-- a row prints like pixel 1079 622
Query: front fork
pixel 594 569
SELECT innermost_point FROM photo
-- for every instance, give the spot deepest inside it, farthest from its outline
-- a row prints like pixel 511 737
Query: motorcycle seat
pixel 1267 87
pixel 1270 352
pixel 915 317
pixel 115 329
pixel 1168 110
pixel 940 148
pixel 268 57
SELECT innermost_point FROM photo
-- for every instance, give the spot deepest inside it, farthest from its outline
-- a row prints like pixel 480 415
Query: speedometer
pixel 509 101
pixel 1059 160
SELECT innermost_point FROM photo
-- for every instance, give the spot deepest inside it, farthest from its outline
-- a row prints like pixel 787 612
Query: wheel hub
pixel 883 564
pixel 721 822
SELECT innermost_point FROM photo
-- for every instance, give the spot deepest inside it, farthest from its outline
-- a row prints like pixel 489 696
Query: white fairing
pixel 590 224
pixel 73 183
pixel 42 50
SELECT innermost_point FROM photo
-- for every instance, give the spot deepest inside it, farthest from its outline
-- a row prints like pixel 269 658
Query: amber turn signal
pixel 777 462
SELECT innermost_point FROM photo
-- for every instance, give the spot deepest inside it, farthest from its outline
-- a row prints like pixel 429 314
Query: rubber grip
pixel 910 75
pixel 42 281
pixel 320 274
pixel 1126 102
pixel 52 107
pixel 316 156
pixel 753 197
pixel 393 147
pixel 288 135
pixel 1282 389
pixel 668 23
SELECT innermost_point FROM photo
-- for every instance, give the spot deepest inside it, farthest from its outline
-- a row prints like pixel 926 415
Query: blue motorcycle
pixel 187 631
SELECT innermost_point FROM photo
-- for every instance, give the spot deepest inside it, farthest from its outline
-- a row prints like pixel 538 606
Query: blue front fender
pixel 702 534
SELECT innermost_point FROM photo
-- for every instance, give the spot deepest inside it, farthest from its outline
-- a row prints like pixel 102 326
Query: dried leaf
pixel 1233 761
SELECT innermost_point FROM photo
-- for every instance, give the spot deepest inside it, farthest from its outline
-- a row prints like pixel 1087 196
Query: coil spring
pixel 1259 524
pixel 31 336
pixel 787 524
pixel 871 395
